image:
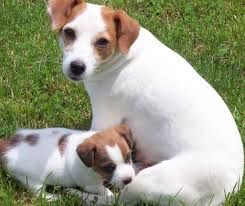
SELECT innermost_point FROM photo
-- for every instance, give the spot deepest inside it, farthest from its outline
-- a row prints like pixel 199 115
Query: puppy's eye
pixel 109 168
pixel 128 158
pixel 69 33
pixel 102 43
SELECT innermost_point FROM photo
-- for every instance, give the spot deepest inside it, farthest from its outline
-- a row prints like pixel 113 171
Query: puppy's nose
pixel 127 180
pixel 77 68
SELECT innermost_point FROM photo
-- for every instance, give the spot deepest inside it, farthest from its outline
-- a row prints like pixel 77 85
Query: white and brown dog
pixel 70 158
pixel 177 118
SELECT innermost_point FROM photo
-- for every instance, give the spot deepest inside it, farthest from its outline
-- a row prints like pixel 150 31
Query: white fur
pixel 43 164
pixel 115 153
pixel 123 171
pixel 176 117
pixel 82 48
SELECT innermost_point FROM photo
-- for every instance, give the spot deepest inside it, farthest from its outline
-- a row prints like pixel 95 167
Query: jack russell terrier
pixel 177 118
pixel 70 158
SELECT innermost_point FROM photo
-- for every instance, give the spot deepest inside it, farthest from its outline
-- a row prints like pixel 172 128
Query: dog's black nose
pixel 77 68
pixel 127 180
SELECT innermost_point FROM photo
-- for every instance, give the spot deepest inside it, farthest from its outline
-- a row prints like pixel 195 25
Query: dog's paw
pixel 108 192
pixel 71 191
pixel 92 199
pixel 86 197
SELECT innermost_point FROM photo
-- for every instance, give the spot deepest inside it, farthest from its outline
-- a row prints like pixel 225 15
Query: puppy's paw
pixel 108 192
pixel 72 191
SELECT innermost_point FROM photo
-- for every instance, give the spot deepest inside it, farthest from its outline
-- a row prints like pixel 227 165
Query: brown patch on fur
pixel 6 145
pixel 32 139
pixel 109 34
pixel 70 38
pixel 3 146
pixel 62 143
pixel 113 136
pixel 122 30
pixel 62 10
pixel 126 133
pixel 93 150
pixel 15 140
pixel 76 11
pixel 105 175
pixel 86 152
pixel 127 30
pixel 105 53
pixel 93 154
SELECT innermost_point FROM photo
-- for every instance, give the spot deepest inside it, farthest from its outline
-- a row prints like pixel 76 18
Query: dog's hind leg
pixel 193 179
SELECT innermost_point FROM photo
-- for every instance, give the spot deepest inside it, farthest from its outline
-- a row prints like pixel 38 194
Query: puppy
pixel 70 158
pixel 177 118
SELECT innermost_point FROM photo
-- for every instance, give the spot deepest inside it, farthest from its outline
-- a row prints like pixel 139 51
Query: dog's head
pixel 90 35
pixel 108 153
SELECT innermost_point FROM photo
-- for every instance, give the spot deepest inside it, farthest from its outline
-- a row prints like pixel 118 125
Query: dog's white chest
pixel 169 107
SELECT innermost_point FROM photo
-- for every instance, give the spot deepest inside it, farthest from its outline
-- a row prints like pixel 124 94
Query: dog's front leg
pixel 98 189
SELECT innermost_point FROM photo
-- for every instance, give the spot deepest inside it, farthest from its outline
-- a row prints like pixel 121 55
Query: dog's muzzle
pixel 76 70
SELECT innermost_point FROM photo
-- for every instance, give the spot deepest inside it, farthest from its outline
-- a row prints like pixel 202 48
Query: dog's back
pixel 36 154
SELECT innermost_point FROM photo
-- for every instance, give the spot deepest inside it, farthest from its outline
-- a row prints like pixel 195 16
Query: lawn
pixel 34 93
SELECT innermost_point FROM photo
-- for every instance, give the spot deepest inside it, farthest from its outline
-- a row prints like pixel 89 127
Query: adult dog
pixel 177 118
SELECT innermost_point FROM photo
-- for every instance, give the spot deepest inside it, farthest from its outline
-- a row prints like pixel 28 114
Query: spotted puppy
pixel 70 158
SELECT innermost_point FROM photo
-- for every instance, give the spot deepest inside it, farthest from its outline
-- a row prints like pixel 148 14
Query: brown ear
pixel 86 152
pixel 127 30
pixel 60 10
pixel 126 133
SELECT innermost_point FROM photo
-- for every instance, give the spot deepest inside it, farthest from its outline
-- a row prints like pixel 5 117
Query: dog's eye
pixel 69 33
pixel 128 158
pixel 102 43
pixel 109 168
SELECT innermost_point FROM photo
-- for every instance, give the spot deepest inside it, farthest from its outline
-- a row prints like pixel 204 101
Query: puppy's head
pixel 90 35
pixel 109 154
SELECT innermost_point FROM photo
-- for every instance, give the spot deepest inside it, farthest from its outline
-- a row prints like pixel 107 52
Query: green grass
pixel 34 93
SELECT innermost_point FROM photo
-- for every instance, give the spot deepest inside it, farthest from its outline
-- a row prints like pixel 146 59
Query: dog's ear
pixel 60 10
pixel 127 30
pixel 86 152
pixel 125 132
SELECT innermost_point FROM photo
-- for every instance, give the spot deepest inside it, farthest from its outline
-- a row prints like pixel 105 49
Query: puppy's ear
pixel 60 10
pixel 126 133
pixel 127 30
pixel 86 152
